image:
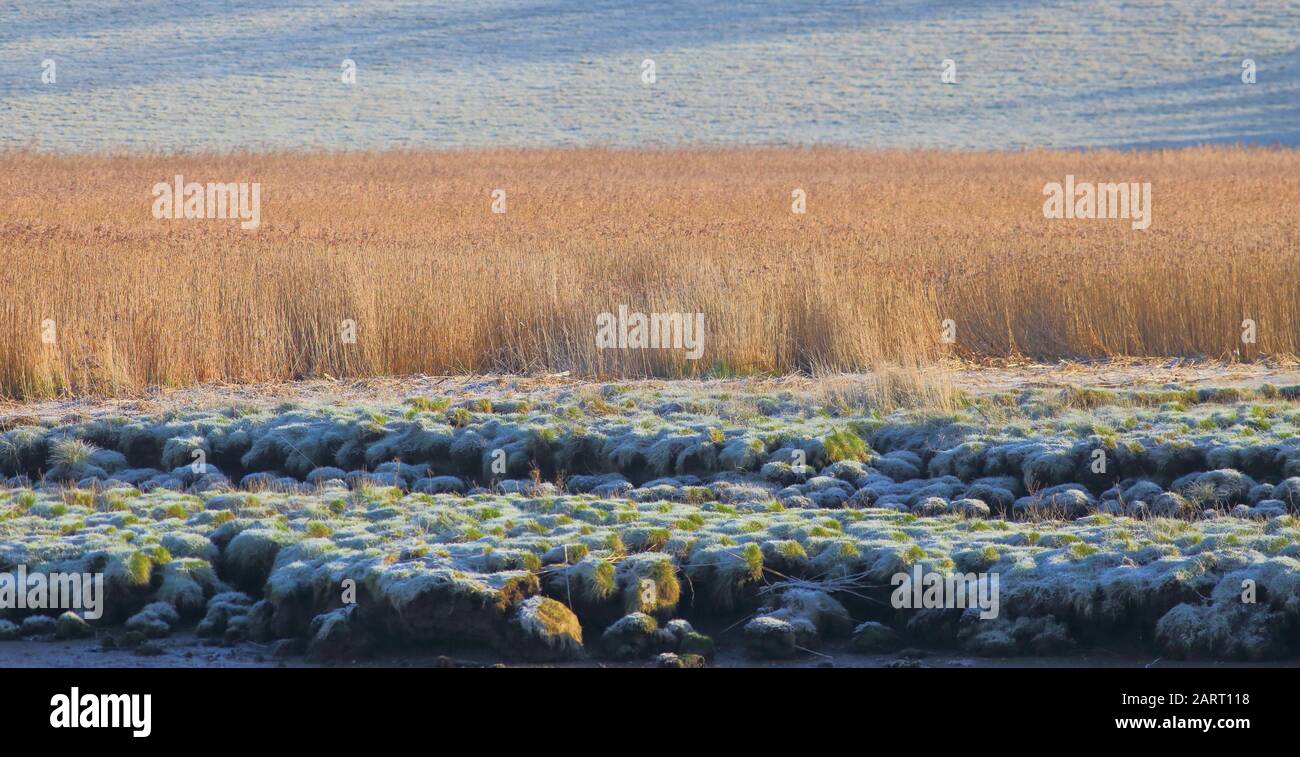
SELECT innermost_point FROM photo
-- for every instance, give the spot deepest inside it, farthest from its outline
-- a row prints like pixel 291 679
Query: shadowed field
pixel 405 244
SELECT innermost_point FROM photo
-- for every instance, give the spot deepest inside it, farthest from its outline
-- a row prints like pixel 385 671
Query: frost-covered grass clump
pixel 1152 517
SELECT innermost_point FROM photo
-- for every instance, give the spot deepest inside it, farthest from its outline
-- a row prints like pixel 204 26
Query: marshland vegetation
pixel 621 514
pixel 405 245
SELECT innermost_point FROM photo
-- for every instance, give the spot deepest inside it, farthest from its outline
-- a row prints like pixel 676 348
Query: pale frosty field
pixel 627 512
pixel 459 74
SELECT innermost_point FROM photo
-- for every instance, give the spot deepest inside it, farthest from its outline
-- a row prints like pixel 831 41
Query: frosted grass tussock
pixel 529 569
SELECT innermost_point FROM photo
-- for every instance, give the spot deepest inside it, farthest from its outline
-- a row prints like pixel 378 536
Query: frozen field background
pixel 462 73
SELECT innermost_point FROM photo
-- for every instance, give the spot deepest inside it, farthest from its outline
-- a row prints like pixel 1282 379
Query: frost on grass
pixel 546 629
pixel 616 521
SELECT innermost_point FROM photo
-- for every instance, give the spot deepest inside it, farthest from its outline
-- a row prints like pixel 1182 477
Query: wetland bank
pixel 674 523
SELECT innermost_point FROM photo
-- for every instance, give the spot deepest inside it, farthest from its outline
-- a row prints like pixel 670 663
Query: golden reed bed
pixel 405 245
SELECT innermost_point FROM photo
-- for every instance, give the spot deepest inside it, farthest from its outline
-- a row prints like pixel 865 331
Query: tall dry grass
pixel 404 243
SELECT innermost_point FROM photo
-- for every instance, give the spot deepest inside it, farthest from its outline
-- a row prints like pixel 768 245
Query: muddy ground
pixel 186 650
